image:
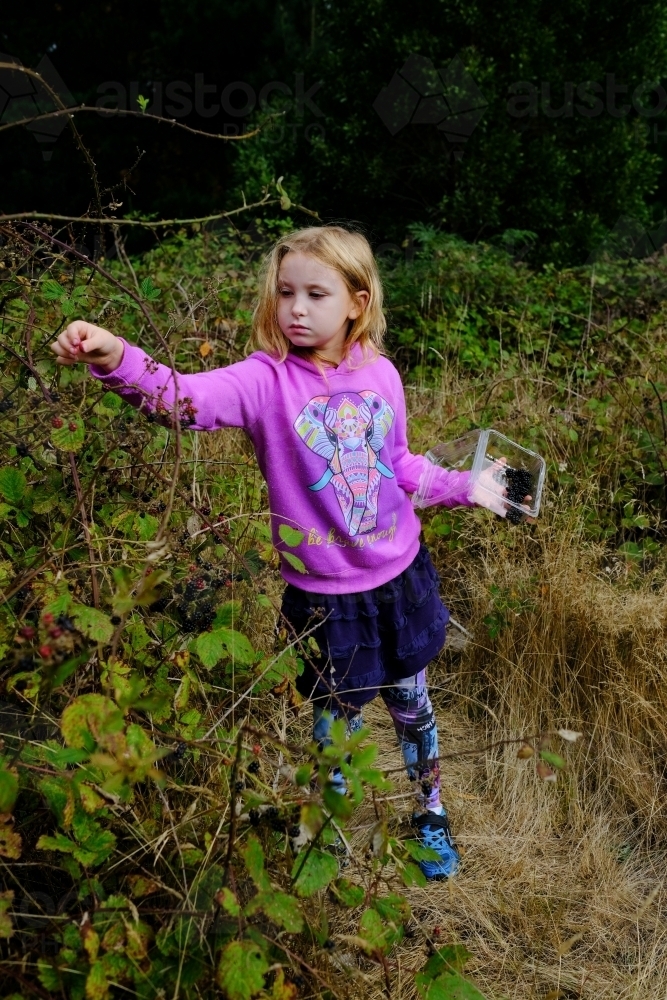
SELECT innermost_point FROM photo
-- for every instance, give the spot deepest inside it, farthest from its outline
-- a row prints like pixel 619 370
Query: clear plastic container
pixel 500 470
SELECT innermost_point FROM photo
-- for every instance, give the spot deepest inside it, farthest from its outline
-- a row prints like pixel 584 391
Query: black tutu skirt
pixel 370 638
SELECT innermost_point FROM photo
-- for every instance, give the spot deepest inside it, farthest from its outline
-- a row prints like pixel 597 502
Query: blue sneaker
pixel 435 833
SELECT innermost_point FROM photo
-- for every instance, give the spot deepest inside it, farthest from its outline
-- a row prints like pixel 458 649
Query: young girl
pixel 326 414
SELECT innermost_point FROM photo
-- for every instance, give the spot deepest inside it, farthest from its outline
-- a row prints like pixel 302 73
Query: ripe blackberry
pixel 519 486
pixel 65 623
pixel 179 751
pixel 115 619
pixel 253 767
pixel 22 450
pixel 272 816
pixel 5 405
pixel 294 830
pixel 254 817
pixel 240 785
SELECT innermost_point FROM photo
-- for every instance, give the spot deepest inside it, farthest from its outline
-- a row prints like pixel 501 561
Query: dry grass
pixel 561 886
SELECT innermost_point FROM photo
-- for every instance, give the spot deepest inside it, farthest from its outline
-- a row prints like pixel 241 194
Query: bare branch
pixel 146 224
pixel 77 109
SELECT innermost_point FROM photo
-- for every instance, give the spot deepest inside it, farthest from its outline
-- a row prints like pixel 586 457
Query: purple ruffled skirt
pixel 370 638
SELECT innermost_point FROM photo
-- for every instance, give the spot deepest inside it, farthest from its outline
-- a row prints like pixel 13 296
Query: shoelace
pixel 436 838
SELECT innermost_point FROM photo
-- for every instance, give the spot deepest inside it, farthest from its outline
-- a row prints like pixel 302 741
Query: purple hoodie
pixel 333 450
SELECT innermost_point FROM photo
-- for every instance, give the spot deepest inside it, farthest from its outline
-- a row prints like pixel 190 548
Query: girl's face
pixel 315 306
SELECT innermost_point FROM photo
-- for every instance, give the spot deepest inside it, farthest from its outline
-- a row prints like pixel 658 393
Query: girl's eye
pixel 317 295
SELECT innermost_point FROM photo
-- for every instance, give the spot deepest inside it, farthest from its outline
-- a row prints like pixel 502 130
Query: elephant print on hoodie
pixel 349 430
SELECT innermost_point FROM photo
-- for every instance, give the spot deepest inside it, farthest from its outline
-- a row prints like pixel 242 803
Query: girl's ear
pixel 362 298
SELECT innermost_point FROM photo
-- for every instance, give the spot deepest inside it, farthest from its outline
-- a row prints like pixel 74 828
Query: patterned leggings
pixel 412 713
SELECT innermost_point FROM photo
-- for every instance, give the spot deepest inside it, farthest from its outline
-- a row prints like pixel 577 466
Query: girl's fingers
pixel 63 348
pixel 94 341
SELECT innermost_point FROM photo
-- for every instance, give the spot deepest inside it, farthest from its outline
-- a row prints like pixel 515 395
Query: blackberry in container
pixel 519 486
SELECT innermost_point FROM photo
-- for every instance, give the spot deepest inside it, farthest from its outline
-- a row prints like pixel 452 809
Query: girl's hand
pixel 82 341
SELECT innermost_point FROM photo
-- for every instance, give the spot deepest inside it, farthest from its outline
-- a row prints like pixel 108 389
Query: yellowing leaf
pixel 90 713
pixel 228 901
pixel 6 928
pixel 142 886
pixel 97 984
pixel 205 349
pixel 70 436
pixel 241 970
pixel 91 800
pixel 10 842
pixel 6 572
pixel 92 622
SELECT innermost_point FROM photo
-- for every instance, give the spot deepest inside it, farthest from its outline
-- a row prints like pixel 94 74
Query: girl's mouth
pixel 299 329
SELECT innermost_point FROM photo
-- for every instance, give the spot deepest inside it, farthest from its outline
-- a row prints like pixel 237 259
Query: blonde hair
pixel 347 252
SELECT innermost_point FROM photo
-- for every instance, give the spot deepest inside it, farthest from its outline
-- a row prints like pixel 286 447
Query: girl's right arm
pixel 234 396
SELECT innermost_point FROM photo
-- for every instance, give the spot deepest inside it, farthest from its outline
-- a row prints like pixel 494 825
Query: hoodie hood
pixel 348 366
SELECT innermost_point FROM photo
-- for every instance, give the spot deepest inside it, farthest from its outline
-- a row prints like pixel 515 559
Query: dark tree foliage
pixel 565 155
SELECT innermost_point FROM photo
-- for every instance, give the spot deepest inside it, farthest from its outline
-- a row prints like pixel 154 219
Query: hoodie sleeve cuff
pixel 130 371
